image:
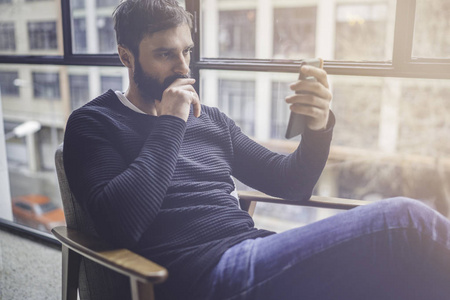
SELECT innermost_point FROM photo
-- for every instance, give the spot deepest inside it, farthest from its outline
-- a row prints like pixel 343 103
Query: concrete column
pixel 325 29
pixel 94 82
pixel 263 96
pixel 264 29
pixel 263 86
pixel 210 29
pixel 389 115
pixel 5 194
pixel 91 27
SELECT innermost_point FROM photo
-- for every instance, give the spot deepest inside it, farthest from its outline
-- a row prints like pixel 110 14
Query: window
pixel 111 82
pixel 237 33
pixel 79 90
pixel 106 35
pixel 237 100
pixel 5 1
pixel 46 85
pixel 294 32
pixel 103 3
pixel 280 110
pixel 76 4
pixel 48 139
pixel 362 32
pixel 430 32
pixel 79 35
pixel 42 35
pixel 7 36
pixel 7 86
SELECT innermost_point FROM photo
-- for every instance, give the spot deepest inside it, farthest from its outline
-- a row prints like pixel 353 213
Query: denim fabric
pixel 392 249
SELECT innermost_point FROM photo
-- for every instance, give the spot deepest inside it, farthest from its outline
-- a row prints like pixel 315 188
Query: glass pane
pixel 389 139
pixel 93 26
pixel 432 29
pixel 296 29
pixel 30 28
pixel 43 95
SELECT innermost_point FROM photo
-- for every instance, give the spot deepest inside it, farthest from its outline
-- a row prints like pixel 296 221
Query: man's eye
pixel 187 51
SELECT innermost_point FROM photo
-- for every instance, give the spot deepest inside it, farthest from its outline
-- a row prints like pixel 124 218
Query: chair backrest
pixel 95 281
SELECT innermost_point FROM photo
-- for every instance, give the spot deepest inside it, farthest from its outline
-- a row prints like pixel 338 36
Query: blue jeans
pixel 392 249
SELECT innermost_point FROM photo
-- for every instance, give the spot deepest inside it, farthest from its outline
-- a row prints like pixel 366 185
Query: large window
pixel 106 34
pixel 79 90
pixel 294 33
pixel 432 29
pixel 79 35
pixel 237 100
pixel 46 85
pixel 42 35
pixel 388 64
pixel 111 82
pixel 363 31
pixel 7 36
pixel 7 86
pixel 237 33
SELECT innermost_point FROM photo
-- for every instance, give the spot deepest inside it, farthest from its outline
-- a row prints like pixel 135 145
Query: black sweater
pixel 161 186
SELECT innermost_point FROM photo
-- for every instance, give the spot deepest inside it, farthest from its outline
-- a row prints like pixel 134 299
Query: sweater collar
pixel 128 103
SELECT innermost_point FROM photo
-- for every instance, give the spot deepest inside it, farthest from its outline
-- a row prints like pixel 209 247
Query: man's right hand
pixel 178 98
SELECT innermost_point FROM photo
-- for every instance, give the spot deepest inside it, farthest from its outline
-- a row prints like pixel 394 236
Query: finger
pixel 182 81
pixel 318 73
pixel 195 100
pixel 310 100
pixel 197 107
pixel 306 110
pixel 316 88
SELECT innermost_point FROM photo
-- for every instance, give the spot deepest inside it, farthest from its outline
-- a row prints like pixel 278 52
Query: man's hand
pixel 315 106
pixel 178 98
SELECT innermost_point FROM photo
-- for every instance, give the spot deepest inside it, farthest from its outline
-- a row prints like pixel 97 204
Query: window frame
pixel 402 65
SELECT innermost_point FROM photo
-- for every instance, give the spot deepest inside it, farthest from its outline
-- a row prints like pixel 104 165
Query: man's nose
pixel 182 65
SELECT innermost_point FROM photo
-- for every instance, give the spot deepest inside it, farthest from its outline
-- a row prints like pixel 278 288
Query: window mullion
pixel 193 6
pixel 66 28
pixel 404 32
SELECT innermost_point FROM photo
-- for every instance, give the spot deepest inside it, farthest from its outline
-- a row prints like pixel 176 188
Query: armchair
pixel 99 271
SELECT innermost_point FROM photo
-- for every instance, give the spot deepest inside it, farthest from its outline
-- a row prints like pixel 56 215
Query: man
pixel 153 168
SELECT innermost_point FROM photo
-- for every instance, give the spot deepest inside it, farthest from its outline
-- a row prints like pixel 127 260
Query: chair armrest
pixel 314 201
pixel 122 261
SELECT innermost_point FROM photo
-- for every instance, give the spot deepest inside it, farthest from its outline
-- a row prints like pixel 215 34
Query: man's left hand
pixel 316 104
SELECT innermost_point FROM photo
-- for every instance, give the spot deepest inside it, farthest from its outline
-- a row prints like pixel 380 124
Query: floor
pixel 28 269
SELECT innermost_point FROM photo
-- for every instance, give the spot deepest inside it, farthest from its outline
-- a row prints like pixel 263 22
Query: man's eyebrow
pixel 166 49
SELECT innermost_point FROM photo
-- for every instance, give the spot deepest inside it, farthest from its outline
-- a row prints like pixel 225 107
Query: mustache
pixel 171 79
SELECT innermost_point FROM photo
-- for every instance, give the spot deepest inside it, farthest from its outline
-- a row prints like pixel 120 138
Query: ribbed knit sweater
pixel 162 187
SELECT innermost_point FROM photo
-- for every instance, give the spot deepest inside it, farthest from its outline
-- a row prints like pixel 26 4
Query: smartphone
pixel 297 123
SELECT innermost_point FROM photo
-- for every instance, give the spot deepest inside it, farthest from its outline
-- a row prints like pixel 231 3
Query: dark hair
pixel 134 19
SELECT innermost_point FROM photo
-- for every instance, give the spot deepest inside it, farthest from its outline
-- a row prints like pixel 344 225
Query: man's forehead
pixel 172 38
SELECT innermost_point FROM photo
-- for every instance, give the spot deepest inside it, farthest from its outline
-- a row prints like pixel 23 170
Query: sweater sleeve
pixel 290 176
pixel 122 198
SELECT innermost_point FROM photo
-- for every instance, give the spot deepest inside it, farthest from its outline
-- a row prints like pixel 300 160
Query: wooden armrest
pixel 122 261
pixel 314 201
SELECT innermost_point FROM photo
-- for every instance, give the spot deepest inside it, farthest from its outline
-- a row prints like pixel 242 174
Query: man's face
pixel 163 57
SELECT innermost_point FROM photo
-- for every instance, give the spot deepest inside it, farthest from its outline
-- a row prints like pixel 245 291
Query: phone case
pixel 297 123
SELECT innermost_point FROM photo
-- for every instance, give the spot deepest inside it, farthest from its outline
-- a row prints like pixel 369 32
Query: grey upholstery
pixel 95 281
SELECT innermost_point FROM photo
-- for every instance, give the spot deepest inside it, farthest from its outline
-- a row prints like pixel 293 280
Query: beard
pixel 149 87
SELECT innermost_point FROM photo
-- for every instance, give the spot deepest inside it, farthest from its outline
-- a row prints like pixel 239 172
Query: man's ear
pixel 126 57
